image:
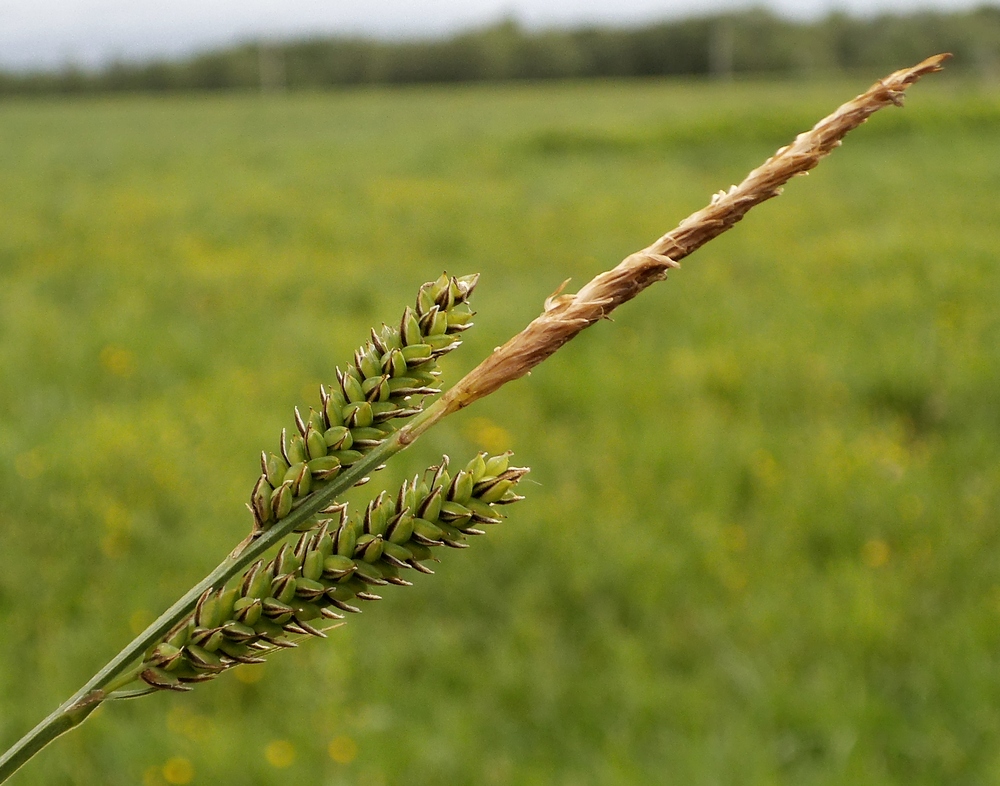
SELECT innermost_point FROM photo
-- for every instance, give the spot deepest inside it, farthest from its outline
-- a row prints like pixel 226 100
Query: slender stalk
pixel 563 318
pixel 566 315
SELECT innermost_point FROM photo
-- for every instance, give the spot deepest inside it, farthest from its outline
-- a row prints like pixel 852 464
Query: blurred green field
pixel 761 543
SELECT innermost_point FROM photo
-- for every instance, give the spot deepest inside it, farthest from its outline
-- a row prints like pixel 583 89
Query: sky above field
pixel 50 33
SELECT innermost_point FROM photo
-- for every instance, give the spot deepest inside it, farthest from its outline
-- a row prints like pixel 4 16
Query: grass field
pixel 761 543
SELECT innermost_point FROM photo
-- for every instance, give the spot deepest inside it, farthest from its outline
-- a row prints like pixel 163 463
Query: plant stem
pixel 564 317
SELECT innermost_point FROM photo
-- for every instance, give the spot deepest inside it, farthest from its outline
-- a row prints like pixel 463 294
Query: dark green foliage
pixel 749 42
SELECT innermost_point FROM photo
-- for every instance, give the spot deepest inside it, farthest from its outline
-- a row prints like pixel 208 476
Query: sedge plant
pixel 308 561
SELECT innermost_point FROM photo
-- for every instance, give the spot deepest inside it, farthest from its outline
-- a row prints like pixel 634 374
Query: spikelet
pixel 347 559
pixel 390 376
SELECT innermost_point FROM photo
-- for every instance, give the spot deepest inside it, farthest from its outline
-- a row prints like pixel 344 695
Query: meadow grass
pixel 790 451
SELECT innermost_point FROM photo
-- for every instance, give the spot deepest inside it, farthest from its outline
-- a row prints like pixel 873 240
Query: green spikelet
pixel 387 382
pixel 330 568
pixel 339 561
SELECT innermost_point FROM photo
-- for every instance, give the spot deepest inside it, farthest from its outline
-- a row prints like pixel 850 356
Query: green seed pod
pixel 439 290
pixel 324 544
pixel 295 450
pixel 358 415
pixel 160 678
pixel 333 407
pixel 225 601
pixel 440 476
pixel 281 500
pixel 339 595
pixel 434 323
pixel 425 300
pixel 457 291
pixel 181 636
pixel 293 472
pixel 396 551
pixel 424 375
pixel 379 393
pixel 476 468
pixel 241 653
pixel 337 567
pixel 308 589
pixel 283 587
pixel 496 491
pixel 409 328
pixel 390 573
pixel 375 519
pixel 202 659
pixel 497 465
pixel 377 340
pixel 368 548
pixel 460 489
pixel 274 468
pixel 386 410
pixel 394 363
pixel 286 561
pixel 453 538
pixel 420 552
pixel 368 573
pixel 325 468
pixel 455 514
pixel 426 533
pixel 305 612
pixel 212 641
pixel 312 565
pixel 260 500
pixel 270 631
pixel 460 317
pixel 301 483
pixel 407 498
pixel 367 437
pixel 277 613
pixel 442 343
pixel 316 420
pixel 338 437
pixel 254 582
pixel 238 631
pixel 315 443
pixel 430 508
pixel 400 529
pixel 482 513
pixel 348 457
pixel 414 355
pixel 346 539
pixel 163 655
pixel 404 386
pixel 352 389
pixel 247 610
pixel 389 338
pixel 304 543
pixel 427 318
pixel 368 365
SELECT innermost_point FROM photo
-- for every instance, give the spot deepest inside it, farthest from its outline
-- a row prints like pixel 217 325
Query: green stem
pixel 123 669
pixel 55 725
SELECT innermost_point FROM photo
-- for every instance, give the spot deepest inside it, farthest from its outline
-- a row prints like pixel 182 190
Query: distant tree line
pixel 723 45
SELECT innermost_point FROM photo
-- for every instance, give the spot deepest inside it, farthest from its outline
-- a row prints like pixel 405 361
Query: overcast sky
pixel 49 33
